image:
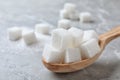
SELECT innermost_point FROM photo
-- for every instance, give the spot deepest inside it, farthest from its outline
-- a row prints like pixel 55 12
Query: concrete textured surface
pixel 21 62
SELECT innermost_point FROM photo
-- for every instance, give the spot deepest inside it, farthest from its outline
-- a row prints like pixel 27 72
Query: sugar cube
pixel 85 17
pixel 74 15
pixel 43 28
pixel 90 48
pixel 64 24
pixel 70 7
pixel 29 37
pixel 52 55
pixel 62 39
pixel 77 34
pixel 14 33
pixel 64 14
pixel 72 55
pixel 89 34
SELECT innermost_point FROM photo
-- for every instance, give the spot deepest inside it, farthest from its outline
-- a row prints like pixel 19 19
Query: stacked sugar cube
pixel 71 45
pixel 70 12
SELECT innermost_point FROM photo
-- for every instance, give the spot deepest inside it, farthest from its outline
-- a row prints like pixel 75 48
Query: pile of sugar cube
pixel 71 45
pixel 70 12
pixel 28 35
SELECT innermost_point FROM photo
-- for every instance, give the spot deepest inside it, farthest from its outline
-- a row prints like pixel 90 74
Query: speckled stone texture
pixel 21 62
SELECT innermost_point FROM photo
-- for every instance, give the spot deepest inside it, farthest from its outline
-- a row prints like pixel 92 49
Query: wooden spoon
pixel 104 39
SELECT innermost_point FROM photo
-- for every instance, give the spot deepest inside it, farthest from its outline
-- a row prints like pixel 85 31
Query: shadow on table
pixel 94 72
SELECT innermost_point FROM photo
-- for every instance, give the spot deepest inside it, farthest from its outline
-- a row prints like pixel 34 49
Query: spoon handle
pixel 108 36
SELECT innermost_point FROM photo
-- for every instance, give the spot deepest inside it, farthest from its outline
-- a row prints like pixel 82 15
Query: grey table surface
pixel 21 62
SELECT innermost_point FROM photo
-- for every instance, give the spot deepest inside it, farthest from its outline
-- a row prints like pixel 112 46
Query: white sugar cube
pixel 72 55
pixel 52 55
pixel 74 15
pixel 29 37
pixel 64 24
pixel 64 14
pixel 43 28
pixel 70 7
pixel 90 48
pixel 14 33
pixel 85 17
pixel 62 39
pixel 89 34
pixel 77 34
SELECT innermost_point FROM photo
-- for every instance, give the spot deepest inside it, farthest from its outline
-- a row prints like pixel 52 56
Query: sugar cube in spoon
pixel 77 34
pixel 52 55
pixel 89 34
pixel 72 55
pixel 62 39
pixel 90 48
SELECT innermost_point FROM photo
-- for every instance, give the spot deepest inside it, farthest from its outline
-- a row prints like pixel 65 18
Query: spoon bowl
pixel 104 39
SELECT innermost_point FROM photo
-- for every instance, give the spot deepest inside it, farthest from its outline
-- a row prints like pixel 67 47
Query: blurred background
pixel 18 62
